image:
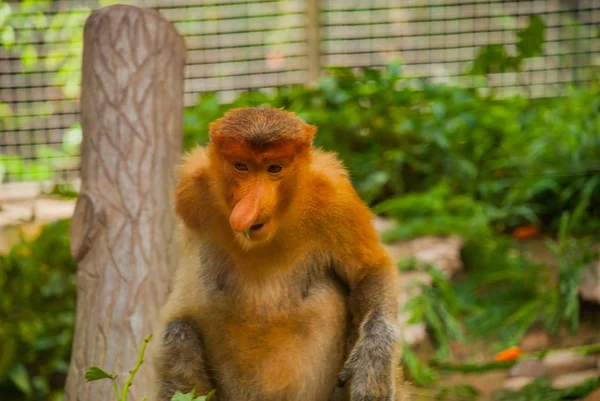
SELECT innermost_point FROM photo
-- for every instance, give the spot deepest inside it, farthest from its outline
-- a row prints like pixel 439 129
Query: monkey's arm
pixel 371 367
pixel 180 358
pixel 180 363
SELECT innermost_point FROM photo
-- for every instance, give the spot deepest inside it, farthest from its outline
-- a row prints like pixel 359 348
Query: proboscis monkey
pixel 283 291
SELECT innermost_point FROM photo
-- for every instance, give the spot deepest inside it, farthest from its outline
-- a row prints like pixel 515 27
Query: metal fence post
pixel 313 42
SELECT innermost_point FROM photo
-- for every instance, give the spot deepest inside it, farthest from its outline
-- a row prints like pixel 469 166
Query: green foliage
pixel 28 22
pixel 437 211
pixel 24 170
pixel 190 396
pixel 462 392
pixel 502 293
pixel 418 372
pixel 541 390
pixel 65 191
pixel 37 304
pixel 48 159
pixel 95 373
pixel 495 58
pixel 573 256
pixel 436 305
pixel 444 158
pixel 24 27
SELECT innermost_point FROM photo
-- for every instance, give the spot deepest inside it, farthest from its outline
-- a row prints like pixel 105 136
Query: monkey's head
pixel 260 154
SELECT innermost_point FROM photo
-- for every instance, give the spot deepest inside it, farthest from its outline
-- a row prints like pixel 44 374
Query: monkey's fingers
pixel 348 370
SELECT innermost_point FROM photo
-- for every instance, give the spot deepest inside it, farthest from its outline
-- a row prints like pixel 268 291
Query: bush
pixel 521 160
pixel 37 310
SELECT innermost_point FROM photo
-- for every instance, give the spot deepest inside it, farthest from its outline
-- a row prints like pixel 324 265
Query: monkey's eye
pixel 240 167
pixel 274 169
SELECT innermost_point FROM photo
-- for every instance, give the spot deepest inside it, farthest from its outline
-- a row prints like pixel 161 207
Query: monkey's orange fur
pixel 309 296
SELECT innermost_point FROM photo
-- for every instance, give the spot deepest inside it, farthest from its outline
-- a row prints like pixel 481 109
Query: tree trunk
pixel 122 230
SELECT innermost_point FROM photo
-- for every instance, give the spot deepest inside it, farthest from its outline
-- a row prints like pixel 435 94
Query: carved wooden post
pixel 132 116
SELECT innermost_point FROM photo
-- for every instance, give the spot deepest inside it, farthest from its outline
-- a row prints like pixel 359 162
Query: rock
pixel 414 333
pixel 535 341
pixel 528 368
pixel 441 252
pixel 516 383
pixel 383 224
pixel 411 281
pixel 594 396
pixel 568 380
pixel 565 362
pixel 486 383
pixel 590 285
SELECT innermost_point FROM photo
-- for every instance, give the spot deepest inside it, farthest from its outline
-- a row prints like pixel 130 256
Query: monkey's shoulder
pixel 195 163
pixel 330 193
pixel 328 165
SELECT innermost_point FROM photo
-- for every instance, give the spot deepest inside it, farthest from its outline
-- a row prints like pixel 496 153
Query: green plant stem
pixel 582 349
pixel 473 367
pixel 114 380
pixel 133 371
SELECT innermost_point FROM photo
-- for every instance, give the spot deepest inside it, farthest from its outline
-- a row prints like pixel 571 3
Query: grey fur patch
pixel 181 364
pixel 216 268
pixel 369 367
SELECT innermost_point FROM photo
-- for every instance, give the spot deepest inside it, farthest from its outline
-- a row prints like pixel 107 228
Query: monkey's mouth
pixel 254 229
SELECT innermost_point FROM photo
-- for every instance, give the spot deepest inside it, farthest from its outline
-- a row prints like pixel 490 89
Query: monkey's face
pixel 259 184
pixel 262 152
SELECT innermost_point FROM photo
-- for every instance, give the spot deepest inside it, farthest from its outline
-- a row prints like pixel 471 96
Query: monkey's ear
pixel 309 132
pixel 214 130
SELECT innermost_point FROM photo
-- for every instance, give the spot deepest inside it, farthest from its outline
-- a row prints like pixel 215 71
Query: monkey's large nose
pixel 245 212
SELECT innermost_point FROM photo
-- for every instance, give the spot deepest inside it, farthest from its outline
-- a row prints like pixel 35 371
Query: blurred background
pixel 472 128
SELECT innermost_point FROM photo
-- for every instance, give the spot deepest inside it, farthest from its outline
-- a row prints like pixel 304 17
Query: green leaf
pixel 493 59
pixel 420 373
pixel 2 175
pixel 207 397
pixel 463 392
pixel 5 111
pixel 178 396
pixel 20 377
pixel 7 36
pixel 5 13
pixel 95 373
pixel 29 57
pixel 531 38
pixel 72 139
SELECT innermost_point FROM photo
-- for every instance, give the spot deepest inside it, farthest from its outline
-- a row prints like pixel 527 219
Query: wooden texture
pixel 132 116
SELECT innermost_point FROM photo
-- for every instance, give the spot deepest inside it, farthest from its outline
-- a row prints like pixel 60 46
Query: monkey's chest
pixel 277 345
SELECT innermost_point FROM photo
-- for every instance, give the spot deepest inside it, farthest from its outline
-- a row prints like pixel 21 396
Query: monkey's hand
pixel 180 361
pixel 370 366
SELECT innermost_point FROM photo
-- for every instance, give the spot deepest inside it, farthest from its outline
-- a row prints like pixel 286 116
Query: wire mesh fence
pixel 238 45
